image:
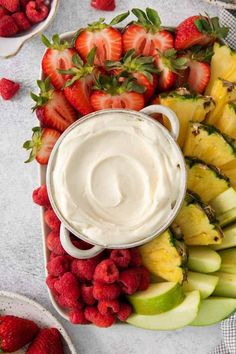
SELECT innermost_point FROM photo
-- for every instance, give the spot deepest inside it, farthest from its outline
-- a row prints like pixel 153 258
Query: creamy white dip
pixel 116 178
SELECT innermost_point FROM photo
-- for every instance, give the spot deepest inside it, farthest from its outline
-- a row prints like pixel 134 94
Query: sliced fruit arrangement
pixel 165 257
pixel 197 222
pixel 203 259
pixel 188 107
pixel 204 283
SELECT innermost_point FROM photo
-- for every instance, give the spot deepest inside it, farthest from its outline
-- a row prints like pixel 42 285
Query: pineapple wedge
pixel 227 122
pixel 222 93
pixel 223 65
pixel 197 222
pixel 230 171
pixel 188 107
pixel 165 257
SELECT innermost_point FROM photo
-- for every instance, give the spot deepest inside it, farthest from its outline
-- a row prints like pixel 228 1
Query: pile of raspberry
pixel 17 16
pixel 92 290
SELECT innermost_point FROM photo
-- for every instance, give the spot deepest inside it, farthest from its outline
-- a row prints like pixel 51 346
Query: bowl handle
pixel 74 251
pixel 172 117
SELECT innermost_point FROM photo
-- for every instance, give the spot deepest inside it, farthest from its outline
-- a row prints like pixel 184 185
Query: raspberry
pixel 93 315
pixel 105 5
pixel 21 21
pixel 68 302
pixel 106 291
pixel 54 243
pixel 50 281
pixel 52 256
pixel 68 286
pixel 106 272
pixel 10 5
pixel 87 294
pixel 58 266
pixel 108 307
pixel 81 244
pixel 121 258
pixel 52 220
pixel 3 11
pixel 36 12
pixel 77 317
pixel 130 280
pixel 40 196
pixel 136 259
pixel 84 268
pixel 23 3
pixel 144 278
pixel 125 312
pixel 8 88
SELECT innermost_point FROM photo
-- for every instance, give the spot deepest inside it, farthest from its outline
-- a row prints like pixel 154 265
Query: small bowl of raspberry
pixel 21 20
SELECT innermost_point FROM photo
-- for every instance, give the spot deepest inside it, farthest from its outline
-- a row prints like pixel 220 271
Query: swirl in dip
pixel 116 178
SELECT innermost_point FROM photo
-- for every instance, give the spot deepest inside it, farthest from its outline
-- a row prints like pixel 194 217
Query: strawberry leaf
pixel 153 16
pixel 91 56
pixel 77 61
pixel 45 41
pixel 141 16
pixel 119 18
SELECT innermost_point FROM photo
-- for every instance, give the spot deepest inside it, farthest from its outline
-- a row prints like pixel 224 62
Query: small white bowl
pixel 10 46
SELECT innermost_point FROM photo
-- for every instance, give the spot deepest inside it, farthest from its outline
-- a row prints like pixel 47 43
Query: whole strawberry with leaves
pixel 52 108
pixel 146 34
pixel 142 68
pixel 78 89
pixel 103 36
pixel 110 92
pixel 16 332
pixel 58 56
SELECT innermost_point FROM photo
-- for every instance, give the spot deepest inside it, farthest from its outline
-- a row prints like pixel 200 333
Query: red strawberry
pixel 3 11
pixel 8 88
pixel 48 341
pixel 199 30
pixel 104 37
pixel 199 76
pixel 15 332
pixel 8 26
pixel 58 56
pixel 78 89
pixel 52 108
pixel 21 21
pixel 10 5
pixel 105 5
pixel 111 93
pixel 41 144
pixel 168 65
pixel 146 35
pixel 140 67
pixel 36 12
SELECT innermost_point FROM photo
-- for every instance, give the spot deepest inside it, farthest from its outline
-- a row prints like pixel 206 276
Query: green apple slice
pixel 205 283
pixel 228 261
pixel 203 259
pixel 158 298
pixel 226 285
pixel 178 317
pixel 227 218
pixel 229 239
pixel 224 202
pixel 213 310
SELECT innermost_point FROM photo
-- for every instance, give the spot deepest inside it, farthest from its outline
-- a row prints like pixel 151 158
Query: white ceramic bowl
pixel 10 46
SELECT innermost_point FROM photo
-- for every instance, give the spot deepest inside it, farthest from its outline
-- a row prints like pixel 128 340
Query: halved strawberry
pixel 41 145
pixel 111 93
pixel 199 30
pixel 140 67
pixel 169 64
pixel 146 35
pixel 52 108
pixel 78 89
pixel 104 37
pixel 199 76
pixel 58 56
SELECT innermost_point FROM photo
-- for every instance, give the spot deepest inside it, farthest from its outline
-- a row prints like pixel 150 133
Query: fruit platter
pixel 185 276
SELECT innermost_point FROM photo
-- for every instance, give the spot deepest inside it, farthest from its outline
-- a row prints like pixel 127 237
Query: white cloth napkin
pixel 228 327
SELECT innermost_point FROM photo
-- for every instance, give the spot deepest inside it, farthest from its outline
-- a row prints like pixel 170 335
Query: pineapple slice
pixel 223 64
pixel 188 107
pixel 230 171
pixel 208 144
pixel 227 122
pixel 197 222
pixel 222 93
pixel 201 176
pixel 165 257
